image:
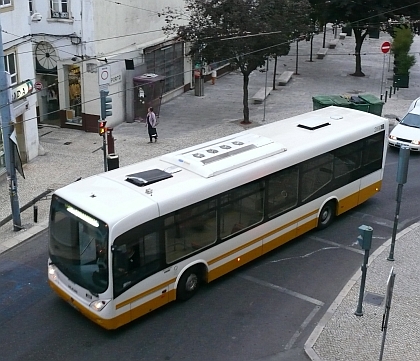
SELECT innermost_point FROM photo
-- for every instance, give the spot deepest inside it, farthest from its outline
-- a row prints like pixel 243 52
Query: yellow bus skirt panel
pixel 109 324
pixel 307 226
pixel 145 293
pixel 278 241
pixel 369 191
pixel 348 203
pixel 149 306
pixel 233 264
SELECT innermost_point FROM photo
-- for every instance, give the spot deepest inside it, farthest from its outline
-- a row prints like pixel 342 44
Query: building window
pixel 60 9
pixel 169 62
pixel 31 7
pixel 4 3
pixel 10 66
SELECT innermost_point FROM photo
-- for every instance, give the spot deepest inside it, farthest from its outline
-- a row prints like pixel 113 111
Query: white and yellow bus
pixel 126 242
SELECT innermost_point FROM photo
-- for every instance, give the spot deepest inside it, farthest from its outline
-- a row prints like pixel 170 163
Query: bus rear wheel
pixel 327 214
pixel 189 283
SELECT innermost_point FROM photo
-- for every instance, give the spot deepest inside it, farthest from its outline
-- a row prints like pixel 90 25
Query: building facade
pixel 17 47
pixel 65 47
pixel 78 43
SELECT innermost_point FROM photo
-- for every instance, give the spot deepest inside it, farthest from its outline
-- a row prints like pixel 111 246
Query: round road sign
pixel 38 85
pixel 386 45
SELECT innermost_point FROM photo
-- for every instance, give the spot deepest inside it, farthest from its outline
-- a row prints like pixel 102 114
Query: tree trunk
pixel 359 42
pixel 274 73
pixel 245 98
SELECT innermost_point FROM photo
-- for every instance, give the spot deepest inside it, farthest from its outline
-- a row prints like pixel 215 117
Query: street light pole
pixel 6 125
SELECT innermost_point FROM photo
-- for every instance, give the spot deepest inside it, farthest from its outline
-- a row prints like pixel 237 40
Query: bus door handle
pixel 167 270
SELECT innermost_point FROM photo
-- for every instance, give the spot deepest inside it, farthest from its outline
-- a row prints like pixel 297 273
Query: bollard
pixel 390 92
pixel 386 95
pixel 394 89
pixel 35 213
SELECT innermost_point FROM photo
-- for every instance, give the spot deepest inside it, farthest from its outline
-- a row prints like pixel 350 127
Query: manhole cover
pixel 374 299
pixel 67 143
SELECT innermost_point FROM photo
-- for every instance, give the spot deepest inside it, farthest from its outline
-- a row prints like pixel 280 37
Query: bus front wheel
pixel 327 214
pixel 188 283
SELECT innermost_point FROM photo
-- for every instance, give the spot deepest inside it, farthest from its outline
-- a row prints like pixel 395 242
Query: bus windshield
pixel 78 246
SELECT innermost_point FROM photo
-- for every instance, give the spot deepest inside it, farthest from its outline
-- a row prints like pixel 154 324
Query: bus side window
pixel 282 191
pixel 347 159
pixel 317 173
pixel 241 208
pixel 189 229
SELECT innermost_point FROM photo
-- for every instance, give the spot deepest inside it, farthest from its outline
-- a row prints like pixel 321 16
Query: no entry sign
pixel 385 47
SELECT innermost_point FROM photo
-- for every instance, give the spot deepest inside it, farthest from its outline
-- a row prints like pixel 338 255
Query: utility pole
pixel 6 125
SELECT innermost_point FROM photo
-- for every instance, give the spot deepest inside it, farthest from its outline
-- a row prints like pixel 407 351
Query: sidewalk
pixel 342 336
pixel 188 120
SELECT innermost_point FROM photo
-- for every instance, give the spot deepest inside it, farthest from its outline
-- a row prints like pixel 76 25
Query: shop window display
pixel 74 111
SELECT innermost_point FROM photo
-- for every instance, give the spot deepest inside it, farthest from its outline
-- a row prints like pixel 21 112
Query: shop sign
pixel 21 90
pixel 116 78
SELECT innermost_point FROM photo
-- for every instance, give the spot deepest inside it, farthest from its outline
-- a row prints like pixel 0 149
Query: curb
pixel 23 236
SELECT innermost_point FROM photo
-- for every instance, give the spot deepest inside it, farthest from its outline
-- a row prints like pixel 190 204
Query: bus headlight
pixel 98 305
pixel 52 272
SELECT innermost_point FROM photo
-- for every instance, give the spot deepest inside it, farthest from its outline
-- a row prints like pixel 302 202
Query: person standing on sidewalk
pixel 151 124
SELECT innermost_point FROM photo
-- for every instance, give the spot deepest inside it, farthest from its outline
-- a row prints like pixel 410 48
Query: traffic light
pixel 101 127
pixel 106 104
pixel 365 238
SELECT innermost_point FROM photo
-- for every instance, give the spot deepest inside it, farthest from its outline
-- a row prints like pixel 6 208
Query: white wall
pixel 16 26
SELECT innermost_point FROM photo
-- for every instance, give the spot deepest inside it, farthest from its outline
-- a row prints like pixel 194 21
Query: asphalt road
pixel 264 311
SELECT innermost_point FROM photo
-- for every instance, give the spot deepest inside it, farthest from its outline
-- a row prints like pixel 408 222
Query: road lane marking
pixel 283 290
pixel 349 248
pixel 302 327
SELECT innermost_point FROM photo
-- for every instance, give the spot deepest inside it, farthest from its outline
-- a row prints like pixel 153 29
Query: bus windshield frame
pixel 78 246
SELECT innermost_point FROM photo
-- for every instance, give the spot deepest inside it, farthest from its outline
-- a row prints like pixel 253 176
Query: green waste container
pixel 375 104
pixel 340 101
pixel 322 101
pixel 359 104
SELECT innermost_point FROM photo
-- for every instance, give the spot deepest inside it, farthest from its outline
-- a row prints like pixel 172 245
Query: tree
pixel 243 32
pixel 360 14
pixel 291 19
pixel 363 15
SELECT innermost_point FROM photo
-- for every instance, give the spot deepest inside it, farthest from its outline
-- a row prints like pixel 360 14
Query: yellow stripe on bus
pixel 145 293
pixel 237 249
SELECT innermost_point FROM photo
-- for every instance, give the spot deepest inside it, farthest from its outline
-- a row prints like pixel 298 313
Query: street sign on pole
pixel 385 47
pixel 38 86
pixel 104 75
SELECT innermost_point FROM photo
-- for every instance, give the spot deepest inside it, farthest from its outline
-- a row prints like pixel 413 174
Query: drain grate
pixel 374 299
pixel 67 143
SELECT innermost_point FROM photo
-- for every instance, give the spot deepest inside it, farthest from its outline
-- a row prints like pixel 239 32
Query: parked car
pixel 407 131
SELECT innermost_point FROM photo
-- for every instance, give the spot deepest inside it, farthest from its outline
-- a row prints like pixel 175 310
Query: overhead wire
pixel 224 39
